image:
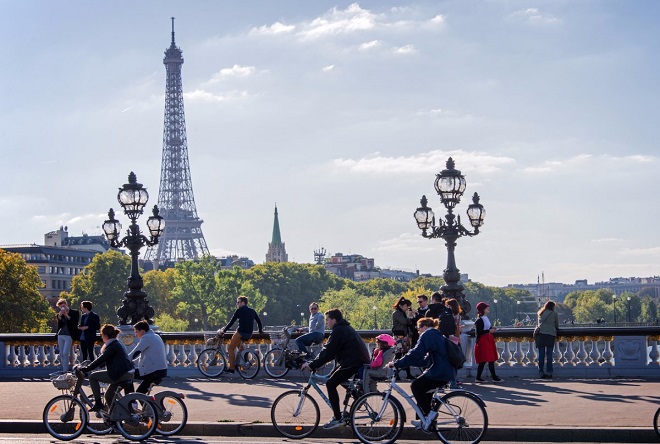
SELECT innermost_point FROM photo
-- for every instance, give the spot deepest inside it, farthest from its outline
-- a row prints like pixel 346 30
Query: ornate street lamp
pixel 495 304
pixel 133 197
pixel 614 307
pixel 375 320
pixel 628 299
pixel 450 185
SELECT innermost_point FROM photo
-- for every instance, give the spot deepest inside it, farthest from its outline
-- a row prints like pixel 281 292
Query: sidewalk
pixel 614 410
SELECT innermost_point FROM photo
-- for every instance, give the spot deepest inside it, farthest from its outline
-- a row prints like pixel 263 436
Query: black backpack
pixel 455 354
pixel 447 322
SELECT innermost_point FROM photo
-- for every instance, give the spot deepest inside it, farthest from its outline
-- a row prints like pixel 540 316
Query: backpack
pixel 447 322
pixel 455 354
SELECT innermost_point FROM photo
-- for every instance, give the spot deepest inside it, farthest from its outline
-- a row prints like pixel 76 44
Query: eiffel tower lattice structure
pixel 183 238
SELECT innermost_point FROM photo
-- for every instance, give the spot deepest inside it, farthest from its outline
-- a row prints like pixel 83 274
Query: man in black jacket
pixel 90 324
pixel 348 349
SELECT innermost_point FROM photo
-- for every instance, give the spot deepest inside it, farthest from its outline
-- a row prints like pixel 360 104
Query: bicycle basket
pixel 277 338
pixel 64 382
pixel 213 340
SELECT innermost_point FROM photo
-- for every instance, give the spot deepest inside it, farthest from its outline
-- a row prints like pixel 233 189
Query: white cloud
pixel 328 68
pixel 584 160
pixel 370 45
pixel 337 21
pixel 652 251
pixel 274 29
pixel 234 71
pixel 437 20
pixel 425 162
pixel 534 16
pixel 206 96
pixel 407 49
pixel 406 242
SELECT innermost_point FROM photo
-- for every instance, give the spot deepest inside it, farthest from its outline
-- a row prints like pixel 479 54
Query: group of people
pixel 149 352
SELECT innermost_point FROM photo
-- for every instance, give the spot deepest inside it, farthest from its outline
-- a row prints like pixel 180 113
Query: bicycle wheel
pixel 211 363
pixel 139 421
pixel 65 417
pixel 375 419
pixel 295 414
pixel 326 369
pixel 172 417
pixel 274 363
pixel 462 418
pixel 96 425
pixel 249 363
pixel 656 422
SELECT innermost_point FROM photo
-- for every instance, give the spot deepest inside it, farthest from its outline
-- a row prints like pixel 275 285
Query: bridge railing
pixel 590 352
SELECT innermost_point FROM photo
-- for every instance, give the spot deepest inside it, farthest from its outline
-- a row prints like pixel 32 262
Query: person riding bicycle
pixel 316 331
pixel 151 354
pixel 440 371
pixel 246 317
pixel 118 367
pixel 350 351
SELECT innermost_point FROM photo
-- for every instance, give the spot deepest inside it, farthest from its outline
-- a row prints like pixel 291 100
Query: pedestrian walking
pixel 485 350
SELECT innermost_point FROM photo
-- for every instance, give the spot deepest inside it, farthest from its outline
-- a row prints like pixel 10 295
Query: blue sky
pixel 343 113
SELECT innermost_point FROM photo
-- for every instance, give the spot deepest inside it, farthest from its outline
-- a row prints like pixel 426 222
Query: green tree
pixel 24 309
pixel 159 285
pixel 196 291
pixel 103 282
pixel 289 288
pixel 169 323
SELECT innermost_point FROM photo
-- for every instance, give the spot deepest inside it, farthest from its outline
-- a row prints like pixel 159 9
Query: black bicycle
pixel 656 422
pixel 65 416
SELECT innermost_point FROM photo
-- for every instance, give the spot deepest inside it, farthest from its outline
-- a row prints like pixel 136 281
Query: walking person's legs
pixel 480 370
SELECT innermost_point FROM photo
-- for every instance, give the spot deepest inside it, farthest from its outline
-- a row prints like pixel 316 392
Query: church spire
pixel 276 249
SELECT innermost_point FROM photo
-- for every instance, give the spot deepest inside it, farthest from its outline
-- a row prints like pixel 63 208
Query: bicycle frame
pixel 313 383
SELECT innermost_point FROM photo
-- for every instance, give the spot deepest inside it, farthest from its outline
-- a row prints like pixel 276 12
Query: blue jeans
pixel 308 339
pixel 545 352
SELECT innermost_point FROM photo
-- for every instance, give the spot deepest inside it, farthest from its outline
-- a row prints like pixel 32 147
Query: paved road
pixel 614 410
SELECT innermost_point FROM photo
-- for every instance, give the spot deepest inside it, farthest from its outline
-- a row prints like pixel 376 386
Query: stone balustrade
pixel 589 352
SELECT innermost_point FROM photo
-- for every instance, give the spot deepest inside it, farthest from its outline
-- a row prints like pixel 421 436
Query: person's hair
pixel 401 301
pixel 549 305
pixel 87 305
pixel 314 304
pixel 335 313
pixel 141 325
pixel 242 299
pixel 428 322
pixel 455 307
pixel 110 331
pixel 60 301
pixel 436 297
pixel 423 296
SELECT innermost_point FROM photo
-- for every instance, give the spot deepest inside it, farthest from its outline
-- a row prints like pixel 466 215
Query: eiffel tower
pixel 183 238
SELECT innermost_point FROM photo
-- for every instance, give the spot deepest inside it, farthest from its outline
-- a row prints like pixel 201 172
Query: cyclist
pixel 431 342
pixel 151 354
pixel 316 331
pixel 118 367
pixel 350 351
pixel 246 317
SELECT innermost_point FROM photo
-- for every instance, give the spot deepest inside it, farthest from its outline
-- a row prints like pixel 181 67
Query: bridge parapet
pixel 588 352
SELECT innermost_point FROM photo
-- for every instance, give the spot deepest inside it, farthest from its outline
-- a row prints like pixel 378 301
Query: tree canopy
pixel 24 309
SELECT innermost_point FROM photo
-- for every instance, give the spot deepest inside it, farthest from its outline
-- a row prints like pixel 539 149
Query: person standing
pixel 436 306
pixel 246 317
pixel 402 327
pixel 67 332
pixel 316 331
pixel 90 324
pixel 118 367
pixel 351 353
pixel 485 350
pixel 548 322
pixel 151 354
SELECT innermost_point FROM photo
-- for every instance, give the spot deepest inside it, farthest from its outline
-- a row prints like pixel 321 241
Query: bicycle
pixel 172 411
pixel 295 414
pixel 280 359
pixel 65 416
pixel 212 361
pixel 656 422
pixel 455 417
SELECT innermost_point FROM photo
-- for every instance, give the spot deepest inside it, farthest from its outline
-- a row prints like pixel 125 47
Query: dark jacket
pixel 246 317
pixel 115 358
pixel 71 324
pixel 344 345
pixel 435 309
pixel 93 323
pixel 447 322
pixel 402 325
pixel 432 345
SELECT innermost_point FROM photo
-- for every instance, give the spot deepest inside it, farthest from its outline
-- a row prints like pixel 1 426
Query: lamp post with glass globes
pixel 518 315
pixel 450 185
pixel 614 307
pixel 495 304
pixel 375 320
pixel 628 299
pixel 133 197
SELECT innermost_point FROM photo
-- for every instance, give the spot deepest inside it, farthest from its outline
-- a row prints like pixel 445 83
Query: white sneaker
pixel 333 423
pixel 417 423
